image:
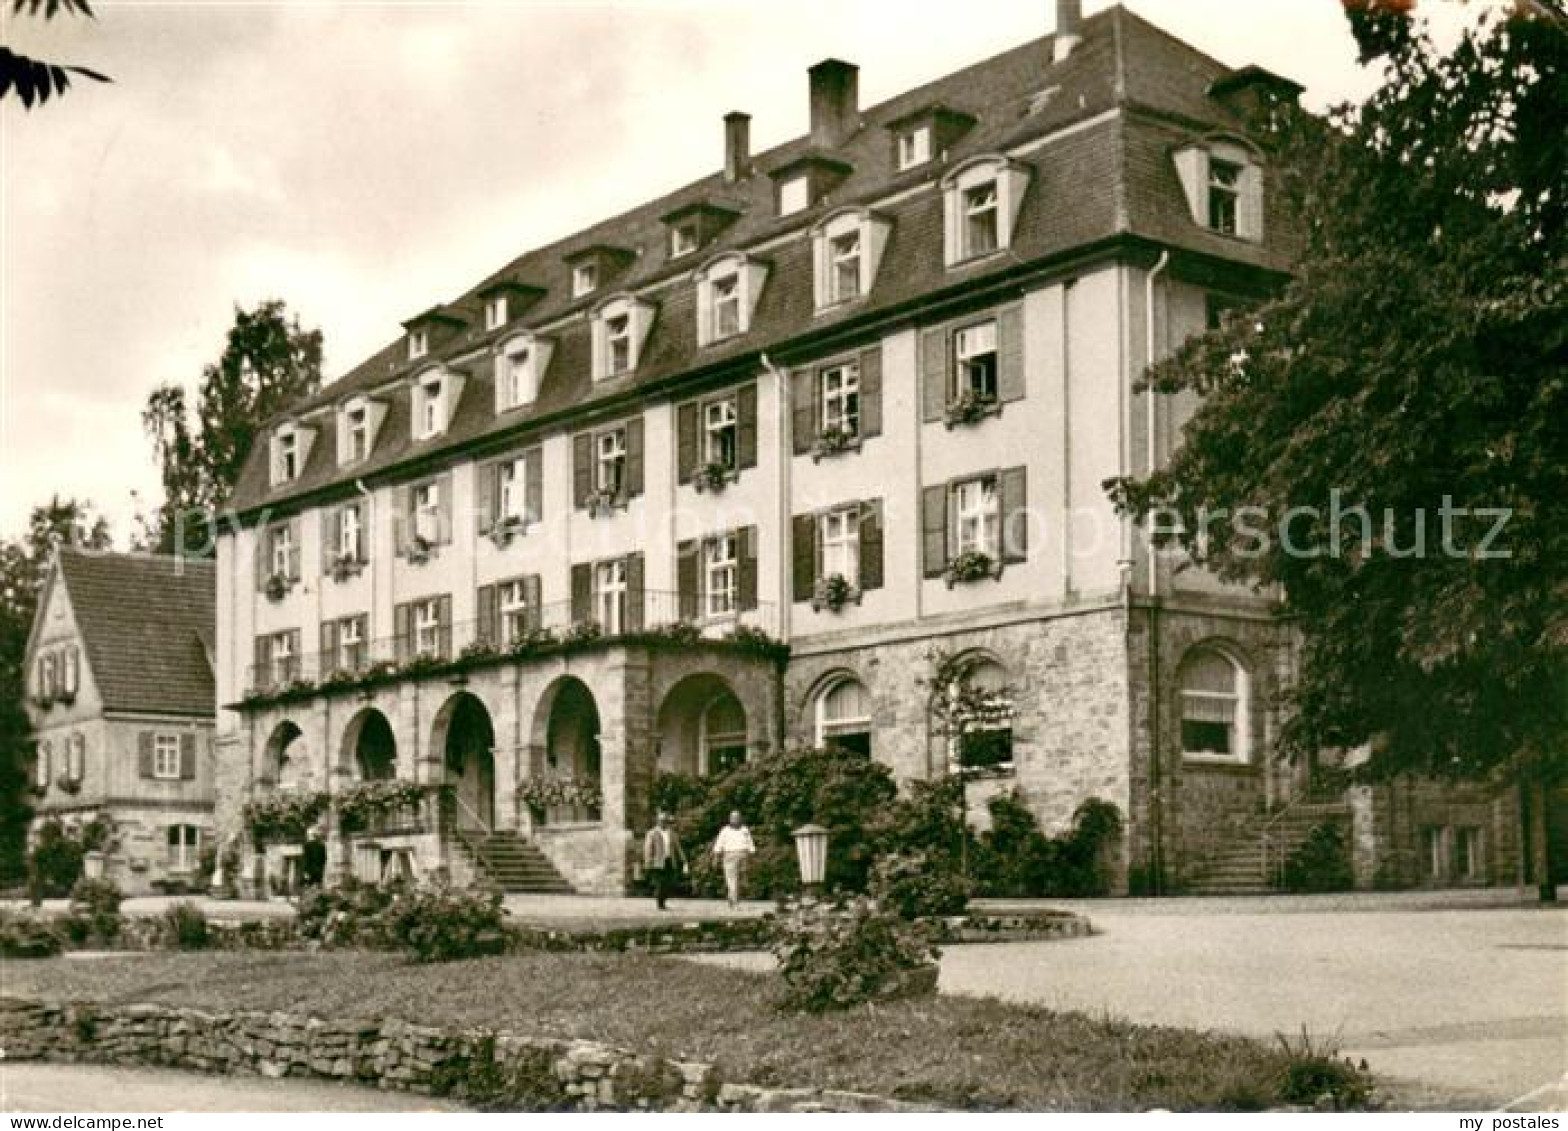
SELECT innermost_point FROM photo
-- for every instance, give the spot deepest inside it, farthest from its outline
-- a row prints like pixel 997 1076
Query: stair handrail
pixel 478 849
pixel 1273 872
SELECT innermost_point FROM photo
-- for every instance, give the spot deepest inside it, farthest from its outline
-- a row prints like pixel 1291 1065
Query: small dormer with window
pixel 803 183
pixel 926 134
pixel 728 287
pixel 433 401
pixel 431 330
pixel 505 300
pixel 595 268
pixel 981 201
pixel 846 250
pixel 694 226
pixel 521 361
pixel 1223 182
pixel 290 446
pixel 620 329
pixel 359 421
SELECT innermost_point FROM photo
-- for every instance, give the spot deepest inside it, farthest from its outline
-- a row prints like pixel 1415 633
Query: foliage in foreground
pixel 183 926
pixel 432 923
pixel 24 935
pixel 1321 862
pixel 835 955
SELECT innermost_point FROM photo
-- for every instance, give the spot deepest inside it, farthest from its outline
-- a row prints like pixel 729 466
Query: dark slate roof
pixel 146 622
pixel 1108 178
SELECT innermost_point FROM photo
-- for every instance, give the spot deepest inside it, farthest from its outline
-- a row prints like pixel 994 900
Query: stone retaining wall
pixel 493 1068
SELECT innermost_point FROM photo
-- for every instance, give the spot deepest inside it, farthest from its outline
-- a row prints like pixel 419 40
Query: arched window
pixel 984 718
pixel 1213 706
pixel 844 716
pixel 723 735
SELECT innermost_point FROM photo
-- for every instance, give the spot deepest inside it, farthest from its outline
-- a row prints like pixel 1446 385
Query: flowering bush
pixel 96 905
pixel 837 955
pixel 440 924
pixel 834 439
pixel 550 790
pixel 969 408
pixel 833 592
pixel 277 587
pixel 971 565
pixel 283 816
pixel 712 476
pixel 183 926
pixel 349 915
pixel 916 884
pixel 345 566
pixel 28 936
pixel 362 803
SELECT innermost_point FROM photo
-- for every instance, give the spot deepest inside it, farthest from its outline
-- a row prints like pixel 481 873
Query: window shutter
pixel 260 676
pixel 746 425
pixel 933 375
pixel 489 628
pixel 804 556
pixel 634 458
pixel 1013 498
pixel 533 488
pixel 871 392
pixel 687 578
pixel 531 595
pixel 933 530
pixel 329 646
pixel 634 593
pixel 295 547
pixel 444 619
pixel 582 592
pixel 488 484
pixel 331 517
pixel 803 408
pixel 144 742
pixel 402 630
pixel 188 756
pixel 871 545
pixel 582 469
pixel 400 523
pixel 1249 206
pixel 746 553
pixel 1010 378
pixel 263 557
pixel 444 522
pixel 1192 170
pixel 73 668
pixel 685 442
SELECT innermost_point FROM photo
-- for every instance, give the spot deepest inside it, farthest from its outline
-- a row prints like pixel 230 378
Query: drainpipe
pixel 1151 453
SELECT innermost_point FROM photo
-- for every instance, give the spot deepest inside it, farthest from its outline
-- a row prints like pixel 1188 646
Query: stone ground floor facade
pixel 152 847
pixel 1168 711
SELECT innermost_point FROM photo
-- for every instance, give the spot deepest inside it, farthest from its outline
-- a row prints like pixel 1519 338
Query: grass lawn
pixel 961 1052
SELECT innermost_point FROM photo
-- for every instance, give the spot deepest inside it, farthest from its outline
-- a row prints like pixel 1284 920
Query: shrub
pixel 836 955
pixel 1316 1075
pixel 915 885
pixel 1017 859
pixel 1321 862
pixel 440 924
pixel 56 860
pixel 28 936
pixel 183 926
pixel 97 902
pixel 352 914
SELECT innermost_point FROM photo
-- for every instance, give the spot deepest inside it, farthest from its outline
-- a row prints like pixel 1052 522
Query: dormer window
pixel 620 327
pixel 434 400
pixel 982 200
pixel 358 421
pixel 794 194
pixel 519 367
pixel 1224 187
pixel 418 344
pixel 847 250
pixel 728 288
pixel 286 457
pixel 585 279
pixel 914 147
pixel 685 238
pixel 495 313
pixel 431 419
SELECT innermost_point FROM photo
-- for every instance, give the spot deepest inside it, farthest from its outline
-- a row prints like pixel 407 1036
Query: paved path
pixel 91 1088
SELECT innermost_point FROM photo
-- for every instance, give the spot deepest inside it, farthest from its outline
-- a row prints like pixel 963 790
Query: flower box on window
pixel 970 408
pixel 972 565
pixel 345 566
pixel 602 503
pixel 420 550
pixel 278 586
pixel 714 476
pixel 65 698
pixel 504 530
pixel 832 441
pixel 70 785
pixel 833 592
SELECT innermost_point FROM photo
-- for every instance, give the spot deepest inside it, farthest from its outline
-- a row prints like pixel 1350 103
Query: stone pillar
pixel 510 753
pixel 1363 836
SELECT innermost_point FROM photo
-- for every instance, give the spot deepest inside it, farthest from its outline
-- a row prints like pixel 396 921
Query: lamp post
pixel 811 849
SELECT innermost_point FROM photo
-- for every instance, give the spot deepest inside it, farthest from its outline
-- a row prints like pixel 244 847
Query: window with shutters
pixel 281 551
pixel 975 362
pixel 977 511
pixel 843 716
pixel 351 544
pixel 511 490
pixel 721 434
pixel 166 757
pixel 184 848
pixel 839 539
pixel 283 656
pixel 716 438
pixel 1213 706
pixel 351 644
pixel 430 635
pixel 610 463
pixel 721 575
pixel 426 499
pixel 609 596
pixel 512 610
pixel 840 392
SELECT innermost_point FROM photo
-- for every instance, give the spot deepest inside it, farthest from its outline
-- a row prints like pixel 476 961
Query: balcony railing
pixel 553 623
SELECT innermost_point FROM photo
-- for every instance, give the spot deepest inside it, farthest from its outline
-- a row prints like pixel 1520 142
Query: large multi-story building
pixel 120 697
pixel 859 393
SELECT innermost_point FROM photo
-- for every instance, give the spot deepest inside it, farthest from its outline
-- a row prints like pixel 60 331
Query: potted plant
pixel 277 586
pixel 602 501
pixel 970 407
pixel 971 565
pixel 345 566
pixel 833 439
pixel 713 476
pixel 833 592
pixel 420 549
pixel 504 529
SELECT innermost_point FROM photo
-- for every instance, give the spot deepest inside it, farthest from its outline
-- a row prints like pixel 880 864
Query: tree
pixel 268 362
pixel 34 80
pixel 24 563
pixel 1395 416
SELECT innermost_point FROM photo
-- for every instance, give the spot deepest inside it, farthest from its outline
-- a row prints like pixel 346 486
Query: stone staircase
pixel 512 863
pixel 1249 863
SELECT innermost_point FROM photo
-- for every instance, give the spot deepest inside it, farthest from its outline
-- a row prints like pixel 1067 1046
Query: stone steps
pixel 1244 866
pixel 511 863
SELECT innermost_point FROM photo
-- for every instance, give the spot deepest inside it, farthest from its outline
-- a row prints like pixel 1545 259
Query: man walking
pixel 662 857
pixel 732 848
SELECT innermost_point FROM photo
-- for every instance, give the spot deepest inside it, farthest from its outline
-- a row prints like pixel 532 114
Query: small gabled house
pixel 120 696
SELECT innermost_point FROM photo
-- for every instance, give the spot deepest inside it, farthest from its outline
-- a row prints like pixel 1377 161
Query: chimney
pixel 737 146
pixel 835 102
pixel 1069 28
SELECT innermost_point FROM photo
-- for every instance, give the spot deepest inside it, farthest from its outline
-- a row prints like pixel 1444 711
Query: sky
pixel 366 160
